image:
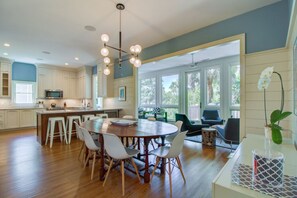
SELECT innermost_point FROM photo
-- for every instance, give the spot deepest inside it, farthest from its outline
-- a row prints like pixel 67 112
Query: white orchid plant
pixel 278 114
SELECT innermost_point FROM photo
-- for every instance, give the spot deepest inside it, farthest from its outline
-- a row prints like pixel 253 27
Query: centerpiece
pixel 268 165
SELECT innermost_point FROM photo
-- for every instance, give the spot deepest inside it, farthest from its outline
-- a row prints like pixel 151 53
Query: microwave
pixel 53 93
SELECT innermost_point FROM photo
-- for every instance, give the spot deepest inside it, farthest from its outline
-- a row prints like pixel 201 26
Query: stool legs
pixel 51 130
pixel 69 124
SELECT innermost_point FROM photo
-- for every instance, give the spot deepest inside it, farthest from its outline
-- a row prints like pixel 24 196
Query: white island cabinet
pixel 222 187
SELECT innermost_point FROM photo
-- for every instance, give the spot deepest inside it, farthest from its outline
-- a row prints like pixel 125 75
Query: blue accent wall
pixel 125 71
pixel 265 28
pixel 23 72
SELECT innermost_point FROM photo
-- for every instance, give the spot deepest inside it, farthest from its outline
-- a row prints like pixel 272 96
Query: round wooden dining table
pixel 143 129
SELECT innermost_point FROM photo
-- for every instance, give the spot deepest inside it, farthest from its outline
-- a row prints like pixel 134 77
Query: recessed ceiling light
pixel 5 54
pixel 76 58
pixel 46 52
pixel 6 44
pixel 90 28
pixel 40 59
pixel 66 64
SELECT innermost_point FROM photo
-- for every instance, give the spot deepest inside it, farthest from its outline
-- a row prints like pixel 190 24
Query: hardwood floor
pixel 28 169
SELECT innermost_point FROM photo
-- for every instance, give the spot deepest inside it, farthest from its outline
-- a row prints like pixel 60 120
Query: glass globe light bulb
pixel 105 38
pixel 106 60
pixel 137 63
pixel 132 60
pixel 106 71
pixel 132 49
pixel 104 51
pixel 137 49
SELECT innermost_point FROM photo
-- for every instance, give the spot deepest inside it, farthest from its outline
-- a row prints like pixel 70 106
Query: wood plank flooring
pixel 28 169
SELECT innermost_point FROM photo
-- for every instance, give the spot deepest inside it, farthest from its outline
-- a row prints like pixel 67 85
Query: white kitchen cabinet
pixel 84 83
pixel 45 80
pixel 5 76
pixel 12 119
pixel 27 118
pixel 105 83
pixel 72 85
pixel 2 119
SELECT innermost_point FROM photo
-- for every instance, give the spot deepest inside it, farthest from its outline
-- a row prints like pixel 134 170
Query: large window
pixel 235 85
pixel 193 95
pixel 147 92
pixel 213 90
pixel 24 92
pixel 170 88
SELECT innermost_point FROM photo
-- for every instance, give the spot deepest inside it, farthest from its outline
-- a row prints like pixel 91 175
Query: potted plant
pixel 278 114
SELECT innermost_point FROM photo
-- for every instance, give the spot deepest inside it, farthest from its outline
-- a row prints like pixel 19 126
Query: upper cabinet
pixel 5 76
pixel 57 78
pixel 84 83
pixel 105 83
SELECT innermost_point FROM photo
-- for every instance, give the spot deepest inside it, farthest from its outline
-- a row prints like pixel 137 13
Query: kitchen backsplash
pixel 4 103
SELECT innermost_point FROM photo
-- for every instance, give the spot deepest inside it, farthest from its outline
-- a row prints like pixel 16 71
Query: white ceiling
pixel 57 26
pixel 193 58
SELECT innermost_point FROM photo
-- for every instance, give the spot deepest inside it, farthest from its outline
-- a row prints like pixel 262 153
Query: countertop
pixel 44 111
pixel 20 107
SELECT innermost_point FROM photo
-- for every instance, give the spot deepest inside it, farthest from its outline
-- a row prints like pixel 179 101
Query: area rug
pixel 219 142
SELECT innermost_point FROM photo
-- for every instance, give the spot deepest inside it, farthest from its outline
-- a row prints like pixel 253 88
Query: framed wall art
pixel 122 93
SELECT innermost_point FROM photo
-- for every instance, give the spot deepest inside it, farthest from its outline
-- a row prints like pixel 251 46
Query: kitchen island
pixel 44 115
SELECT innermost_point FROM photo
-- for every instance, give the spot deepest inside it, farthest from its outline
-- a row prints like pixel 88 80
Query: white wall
pixel 255 64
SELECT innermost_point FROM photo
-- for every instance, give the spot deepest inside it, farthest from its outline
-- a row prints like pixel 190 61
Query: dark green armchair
pixel 193 129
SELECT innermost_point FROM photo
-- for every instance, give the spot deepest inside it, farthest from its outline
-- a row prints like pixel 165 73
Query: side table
pixel 209 136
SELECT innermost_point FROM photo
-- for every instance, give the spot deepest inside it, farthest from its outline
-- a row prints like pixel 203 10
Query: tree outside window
pixel 213 86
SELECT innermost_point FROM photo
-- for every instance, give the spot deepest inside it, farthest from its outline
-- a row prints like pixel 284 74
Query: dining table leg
pixel 163 162
pixel 146 160
pixel 102 170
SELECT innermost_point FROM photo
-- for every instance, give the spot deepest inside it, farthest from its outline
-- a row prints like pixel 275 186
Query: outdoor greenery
pixel 235 85
pixel 170 93
pixel 148 91
pixel 213 86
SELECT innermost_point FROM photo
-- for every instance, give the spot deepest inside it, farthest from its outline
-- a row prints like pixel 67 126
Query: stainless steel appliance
pixel 53 93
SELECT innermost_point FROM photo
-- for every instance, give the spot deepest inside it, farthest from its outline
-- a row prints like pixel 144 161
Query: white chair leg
pixel 110 165
pixel 70 130
pixel 52 129
pixel 64 129
pixel 136 169
pixel 60 130
pixel 88 157
pixel 123 178
pixel 47 132
pixel 169 173
pixel 93 164
pixel 155 167
pixel 180 168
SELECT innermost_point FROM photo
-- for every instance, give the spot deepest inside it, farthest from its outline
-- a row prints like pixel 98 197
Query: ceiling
pixel 193 58
pixel 34 27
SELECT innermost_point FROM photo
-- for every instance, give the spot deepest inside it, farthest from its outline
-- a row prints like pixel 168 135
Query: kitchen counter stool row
pixel 50 133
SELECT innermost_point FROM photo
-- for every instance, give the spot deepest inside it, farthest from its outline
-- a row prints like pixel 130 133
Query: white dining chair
pixel 81 138
pixel 92 149
pixel 170 153
pixel 169 138
pixel 116 150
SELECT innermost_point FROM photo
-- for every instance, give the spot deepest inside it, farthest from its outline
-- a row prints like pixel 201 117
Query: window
pixel 213 86
pixel 148 92
pixel 193 95
pixel 24 92
pixel 235 85
pixel 170 89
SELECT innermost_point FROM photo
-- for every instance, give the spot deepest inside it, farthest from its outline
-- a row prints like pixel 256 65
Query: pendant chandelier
pixel 134 50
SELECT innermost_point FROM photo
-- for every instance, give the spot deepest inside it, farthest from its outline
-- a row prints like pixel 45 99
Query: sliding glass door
pixel 193 95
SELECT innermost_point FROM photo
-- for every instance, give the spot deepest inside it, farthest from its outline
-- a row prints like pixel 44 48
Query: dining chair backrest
pixel 178 124
pixel 114 146
pixel 78 131
pixel 177 145
pixel 89 140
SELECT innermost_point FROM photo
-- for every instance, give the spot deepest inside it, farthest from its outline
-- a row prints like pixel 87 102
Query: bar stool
pixel 102 115
pixel 69 123
pixel 51 129
pixel 87 117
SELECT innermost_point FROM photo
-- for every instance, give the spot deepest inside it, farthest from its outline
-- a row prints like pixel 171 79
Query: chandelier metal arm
pixel 105 45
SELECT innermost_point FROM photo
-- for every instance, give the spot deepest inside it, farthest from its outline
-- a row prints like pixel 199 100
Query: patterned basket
pixel 268 168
